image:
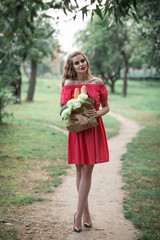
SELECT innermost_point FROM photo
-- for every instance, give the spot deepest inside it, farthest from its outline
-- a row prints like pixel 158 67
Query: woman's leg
pixel 86 213
pixel 84 174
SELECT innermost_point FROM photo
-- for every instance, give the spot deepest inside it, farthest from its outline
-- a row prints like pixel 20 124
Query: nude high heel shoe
pixel 87 225
pixel 76 229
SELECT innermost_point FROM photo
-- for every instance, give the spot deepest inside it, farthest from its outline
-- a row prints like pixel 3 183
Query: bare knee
pixel 86 170
pixel 78 170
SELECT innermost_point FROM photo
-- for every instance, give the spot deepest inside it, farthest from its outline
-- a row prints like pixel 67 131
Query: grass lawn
pixel 141 164
pixel 45 107
pixel 33 157
pixel 142 101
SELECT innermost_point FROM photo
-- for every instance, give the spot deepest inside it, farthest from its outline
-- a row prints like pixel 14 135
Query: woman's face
pixel 79 64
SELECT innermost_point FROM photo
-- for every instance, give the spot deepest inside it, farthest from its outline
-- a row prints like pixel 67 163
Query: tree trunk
pixel 0 115
pixel 32 82
pixel 18 88
pixel 113 87
pixel 124 92
pixel 126 62
pixel 126 57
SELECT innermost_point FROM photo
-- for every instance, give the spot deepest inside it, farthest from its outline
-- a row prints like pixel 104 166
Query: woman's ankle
pixel 86 212
pixel 77 220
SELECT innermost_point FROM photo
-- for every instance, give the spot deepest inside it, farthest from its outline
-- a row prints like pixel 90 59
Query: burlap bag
pixel 74 126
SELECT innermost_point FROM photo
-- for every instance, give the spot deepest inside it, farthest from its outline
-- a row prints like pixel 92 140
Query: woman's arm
pixel 104 110
pixel 101 112
pixel 91 113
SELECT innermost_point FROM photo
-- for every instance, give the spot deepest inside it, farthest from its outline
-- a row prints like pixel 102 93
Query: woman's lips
pixel 82 68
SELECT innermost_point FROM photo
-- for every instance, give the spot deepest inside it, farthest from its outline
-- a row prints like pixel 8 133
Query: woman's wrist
pixel 102 111
pixel 98 113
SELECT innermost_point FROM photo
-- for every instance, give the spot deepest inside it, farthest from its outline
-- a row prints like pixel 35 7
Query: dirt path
pixel 106 195
pixel 53 219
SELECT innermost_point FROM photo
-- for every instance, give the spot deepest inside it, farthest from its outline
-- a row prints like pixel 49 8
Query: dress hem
pixel 89 163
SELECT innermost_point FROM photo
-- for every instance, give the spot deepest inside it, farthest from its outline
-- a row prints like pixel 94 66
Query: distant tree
pixel 106 49
pixel 9 67
pixel 149 27
pixel 17 29
pixel 17 24
pixel 141 56
pixel 146 16
pixel 126 50
pixel 41 45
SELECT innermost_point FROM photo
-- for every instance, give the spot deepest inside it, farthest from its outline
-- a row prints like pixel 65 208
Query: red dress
pixel 89 146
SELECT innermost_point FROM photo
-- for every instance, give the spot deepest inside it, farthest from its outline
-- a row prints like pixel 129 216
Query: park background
pixel 122 44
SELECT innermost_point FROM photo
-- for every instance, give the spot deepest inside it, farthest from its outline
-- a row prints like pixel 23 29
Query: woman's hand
pixel 91 113
pixel 82 120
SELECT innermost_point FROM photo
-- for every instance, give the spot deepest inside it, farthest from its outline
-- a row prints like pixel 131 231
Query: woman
pixel 88 147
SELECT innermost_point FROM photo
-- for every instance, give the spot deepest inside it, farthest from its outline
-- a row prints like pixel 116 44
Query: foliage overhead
pixel 18 28
pixel 22 35
pixel 147 18
pixel 105 47
pixel 149 28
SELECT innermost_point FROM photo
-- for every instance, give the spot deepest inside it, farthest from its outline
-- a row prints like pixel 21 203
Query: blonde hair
pixel 68 69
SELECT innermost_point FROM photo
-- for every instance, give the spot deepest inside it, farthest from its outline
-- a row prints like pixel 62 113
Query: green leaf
pixel 106 9
pixel 46 16
pixel 39 1
pixel 135 4
pixel 30 26
pixel 64 10
pixel 84 11
pixel 135 17
pixel 63 108
pixel 99 12
pixel 100 2
pixel 92 16
pixel 76 3
pixel 74 17
pixel 50 33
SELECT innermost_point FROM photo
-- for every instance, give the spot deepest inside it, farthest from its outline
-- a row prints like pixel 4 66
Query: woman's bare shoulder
pixel 68 82
pixel 98 80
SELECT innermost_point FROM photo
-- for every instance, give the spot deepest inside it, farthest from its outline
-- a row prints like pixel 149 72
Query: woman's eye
pixel 83 60
pixel 76 63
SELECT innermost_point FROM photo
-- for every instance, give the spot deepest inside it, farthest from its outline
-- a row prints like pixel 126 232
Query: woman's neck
pixel 82 77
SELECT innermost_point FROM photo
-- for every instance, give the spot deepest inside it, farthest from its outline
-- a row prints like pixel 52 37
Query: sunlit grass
pixel 26 142
pixel 44 108
pixel 111 125
pixel 141 173
pixel 141 163
pixel 10 234
pixel 142 101
pixel 24 147
pixel 26 199
pixel 28 146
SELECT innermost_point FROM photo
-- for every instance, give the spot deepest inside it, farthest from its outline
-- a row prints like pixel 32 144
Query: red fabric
pixel 89 146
